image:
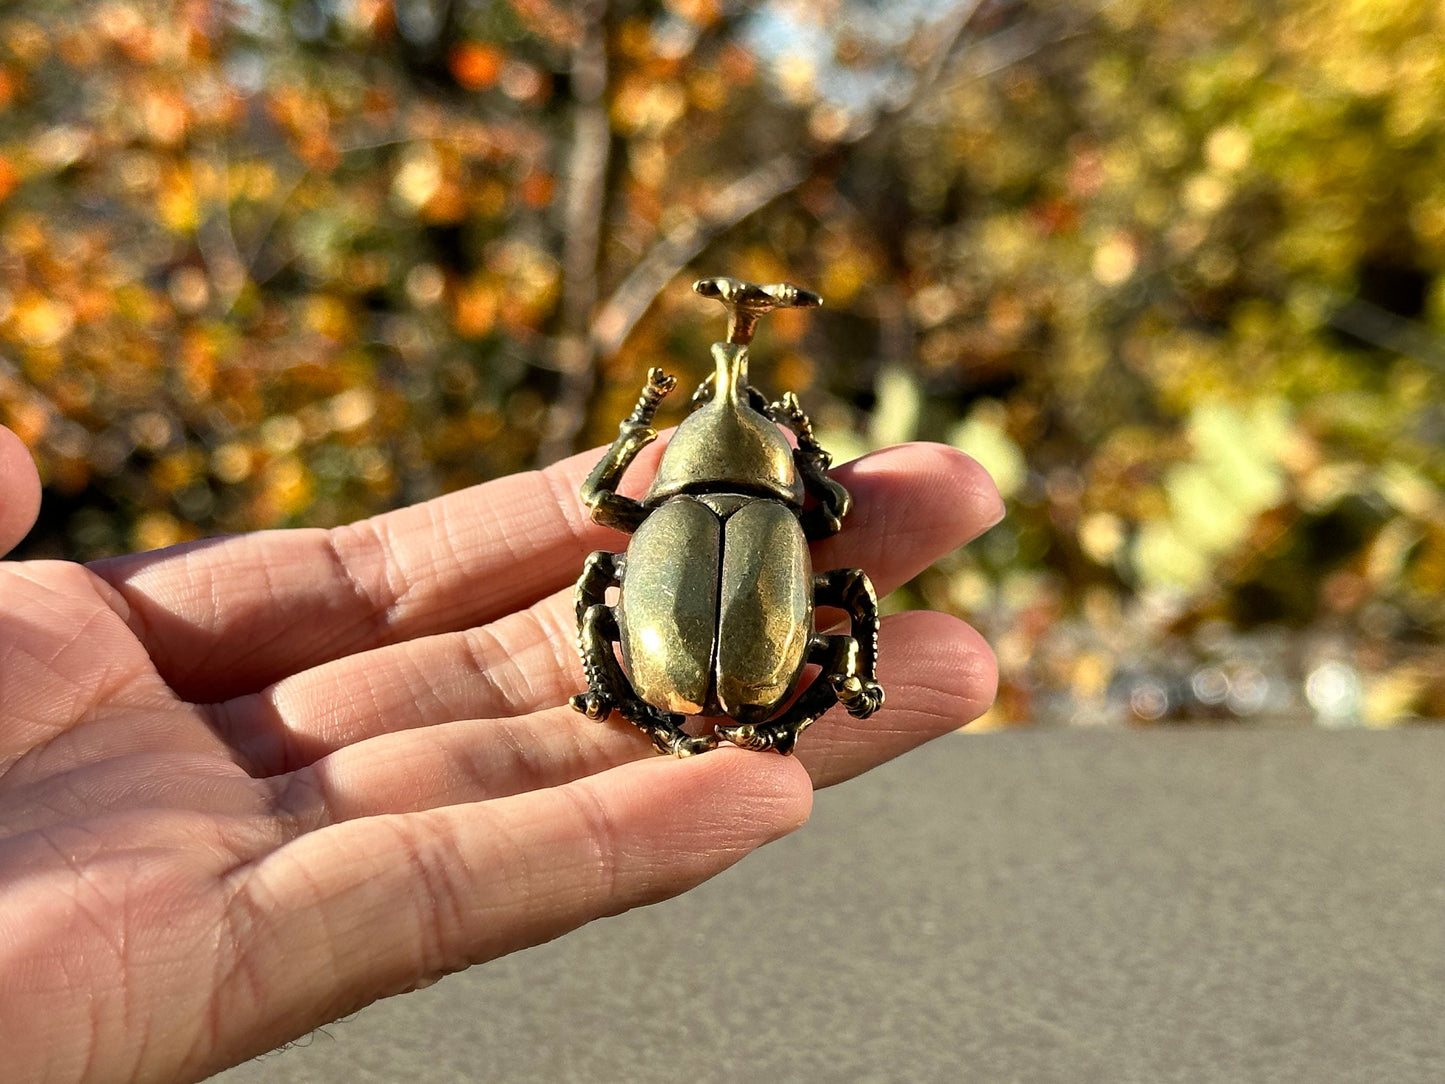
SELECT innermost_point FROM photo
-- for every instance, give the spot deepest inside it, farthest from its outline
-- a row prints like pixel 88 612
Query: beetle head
pixel 725 446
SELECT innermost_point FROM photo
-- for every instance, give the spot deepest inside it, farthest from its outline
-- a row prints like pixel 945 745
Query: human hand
pixel 251 784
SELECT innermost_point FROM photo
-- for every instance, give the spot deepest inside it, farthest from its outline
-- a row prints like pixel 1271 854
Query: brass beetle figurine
pixel 717 592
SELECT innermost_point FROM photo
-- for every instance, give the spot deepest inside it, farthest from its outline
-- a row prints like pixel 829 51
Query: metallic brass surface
pixel 667 613
pixel 725 504
pixel 726 444
pixel 717 593
pixel 747 301
pixel 765 609
pixel 599 491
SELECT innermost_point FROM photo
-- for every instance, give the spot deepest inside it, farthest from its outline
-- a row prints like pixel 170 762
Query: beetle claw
pixel 683 745
pixel 661 382
pixel 592 704
pixel 859 698
pixel 744 735
pixel 748 736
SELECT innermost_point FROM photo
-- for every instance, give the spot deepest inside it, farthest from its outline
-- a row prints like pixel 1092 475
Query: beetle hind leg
pixel 857 686
pixel 848 663
pixel 837 655
pixel 607 686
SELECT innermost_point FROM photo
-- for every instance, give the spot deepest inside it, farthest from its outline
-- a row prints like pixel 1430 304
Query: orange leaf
pixel 537 189
pixel 476 65
pixel 9 179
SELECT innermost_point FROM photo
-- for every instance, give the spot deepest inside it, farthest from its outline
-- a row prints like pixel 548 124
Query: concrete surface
pixel 1170 905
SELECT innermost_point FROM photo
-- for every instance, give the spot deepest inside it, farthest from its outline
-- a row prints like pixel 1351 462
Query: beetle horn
pixel 747 302
pixel 789 296
pixel 732 369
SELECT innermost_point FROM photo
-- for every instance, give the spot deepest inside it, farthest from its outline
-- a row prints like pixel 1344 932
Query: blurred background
pixel 1175 272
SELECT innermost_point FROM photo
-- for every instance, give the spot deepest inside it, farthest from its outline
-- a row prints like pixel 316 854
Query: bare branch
pixel 583 208
pixel 1386 330
pixel 750 194
pixel 950 32
pixel 215 236
pixel 684 241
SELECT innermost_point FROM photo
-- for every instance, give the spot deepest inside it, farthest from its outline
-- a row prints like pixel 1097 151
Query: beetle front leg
pixel 599 491
pixel 826 517
pixel 609 689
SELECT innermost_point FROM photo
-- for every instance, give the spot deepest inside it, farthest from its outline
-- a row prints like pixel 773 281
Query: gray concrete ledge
pixel 1170 905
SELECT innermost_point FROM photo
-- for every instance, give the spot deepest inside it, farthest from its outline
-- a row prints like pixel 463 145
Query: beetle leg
pixel 787 411
pixel 600 571
pixel 671 738
pixel 836 655
pixel 848 663
pixel 826 517
pixel 599 491
pixel 851 591
pixel 607 686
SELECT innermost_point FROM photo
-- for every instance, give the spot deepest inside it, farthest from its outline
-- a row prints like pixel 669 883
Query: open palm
pixel 249 785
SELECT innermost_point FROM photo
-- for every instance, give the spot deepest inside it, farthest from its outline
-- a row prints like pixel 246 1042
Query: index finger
pixel 226 616
pixel 19 490
pixel 233 616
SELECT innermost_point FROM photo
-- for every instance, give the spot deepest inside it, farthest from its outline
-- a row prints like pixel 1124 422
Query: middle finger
pixel 938 671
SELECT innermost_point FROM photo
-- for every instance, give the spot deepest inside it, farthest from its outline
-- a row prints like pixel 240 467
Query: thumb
pixel 19 490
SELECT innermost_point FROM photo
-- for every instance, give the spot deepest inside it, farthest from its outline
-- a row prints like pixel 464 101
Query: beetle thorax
pixel 726 445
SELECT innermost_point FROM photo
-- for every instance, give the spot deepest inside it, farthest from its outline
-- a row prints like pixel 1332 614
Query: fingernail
pixel 1000 510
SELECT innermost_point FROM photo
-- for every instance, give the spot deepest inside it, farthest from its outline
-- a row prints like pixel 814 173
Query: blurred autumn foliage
pixel 1174 271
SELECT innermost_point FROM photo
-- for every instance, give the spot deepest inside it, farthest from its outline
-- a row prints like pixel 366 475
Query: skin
pixel 249 785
